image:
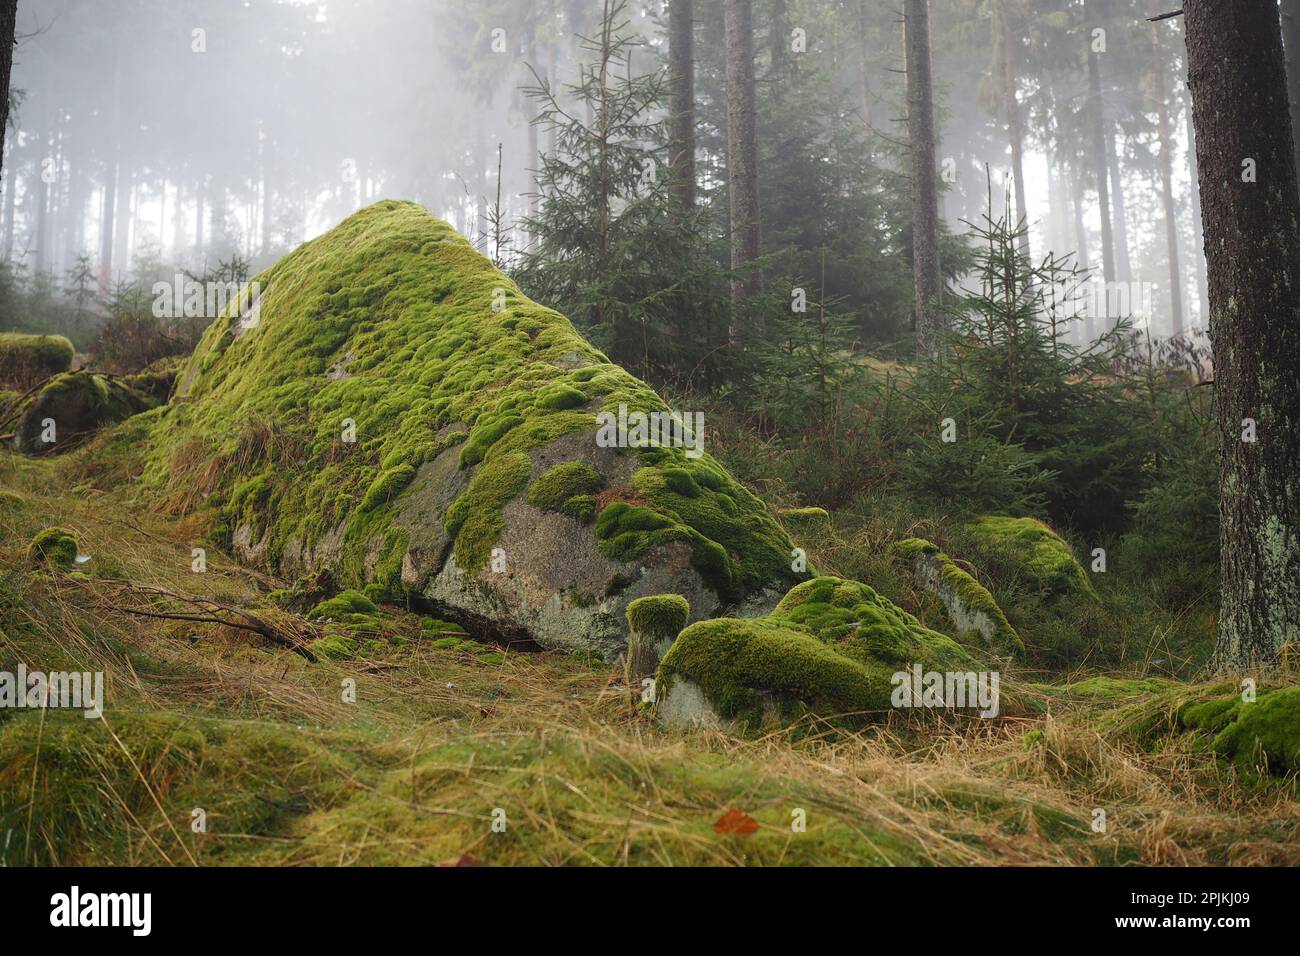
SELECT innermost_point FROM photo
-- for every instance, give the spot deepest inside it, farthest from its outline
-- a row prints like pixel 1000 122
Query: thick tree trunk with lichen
pixel 925 190
pixel 1237 76
pixel 742 162
pixel 681 102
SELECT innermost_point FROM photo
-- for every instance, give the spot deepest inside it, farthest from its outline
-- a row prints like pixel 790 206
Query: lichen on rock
pixel 830 645
pixel 397 415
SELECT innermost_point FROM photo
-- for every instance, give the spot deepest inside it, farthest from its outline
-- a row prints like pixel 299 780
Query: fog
pixel 159 133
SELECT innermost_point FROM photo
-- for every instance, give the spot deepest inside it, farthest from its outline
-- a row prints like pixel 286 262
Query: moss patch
pixel 1262 735
pixel 659 616
pixel 568 488
pixel 53 547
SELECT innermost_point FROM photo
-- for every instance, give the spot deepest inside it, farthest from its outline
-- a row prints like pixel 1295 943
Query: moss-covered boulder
pixel 831 646
pixel 74 405
pixel 968 603
pixel 390 407
pixel 1040 557
pixel 26 360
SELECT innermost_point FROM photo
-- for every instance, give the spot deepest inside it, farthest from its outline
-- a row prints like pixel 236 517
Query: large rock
pixel 389 406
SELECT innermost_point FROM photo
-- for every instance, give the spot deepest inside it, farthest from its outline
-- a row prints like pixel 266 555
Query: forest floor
pixel 206 724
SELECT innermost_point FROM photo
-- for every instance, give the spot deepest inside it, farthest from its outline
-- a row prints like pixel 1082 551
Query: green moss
pixel 973 596
pixel 1263 734
pixel 30 358
pixel 53 547
pixel 561 397
pixel 341 605
pixel 660 616
pixel 387 486
pixel 1043 558
pixel 474 520
pixel 1117 688
pixel 830 644
pixel 571 479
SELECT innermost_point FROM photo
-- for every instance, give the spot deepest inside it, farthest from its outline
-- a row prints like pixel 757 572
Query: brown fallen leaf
pixel 736 821
pixel 465 859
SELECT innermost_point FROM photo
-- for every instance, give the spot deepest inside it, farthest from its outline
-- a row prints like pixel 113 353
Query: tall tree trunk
pixel 925 190
pixel 1252 224
pixel 681 101
pixel 1100 166
pixel 1123 265
pixel 864 64
pixel 8 24
pixel 1075 177
pixel 1198 225
pixel 1291 38
pixel 1167 184
pixel 742 163
pixel 1005 44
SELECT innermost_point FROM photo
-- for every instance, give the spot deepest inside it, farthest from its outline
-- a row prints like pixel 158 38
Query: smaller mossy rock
pixel 1263 734
pixel 803 521
pixel 53 547
pixel 78 403
pixel 653 624
pixel 1040 556
pixel 28 359
pixel 969 605
pixel 831 646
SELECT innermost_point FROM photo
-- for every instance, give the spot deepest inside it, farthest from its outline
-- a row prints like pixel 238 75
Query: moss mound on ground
pixel 53 547
pixel 78 403
pixel 831 645
pixel 969 604
pixel 1042 557
pixel 1263 734
pixel 27 359
pixel 388 361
